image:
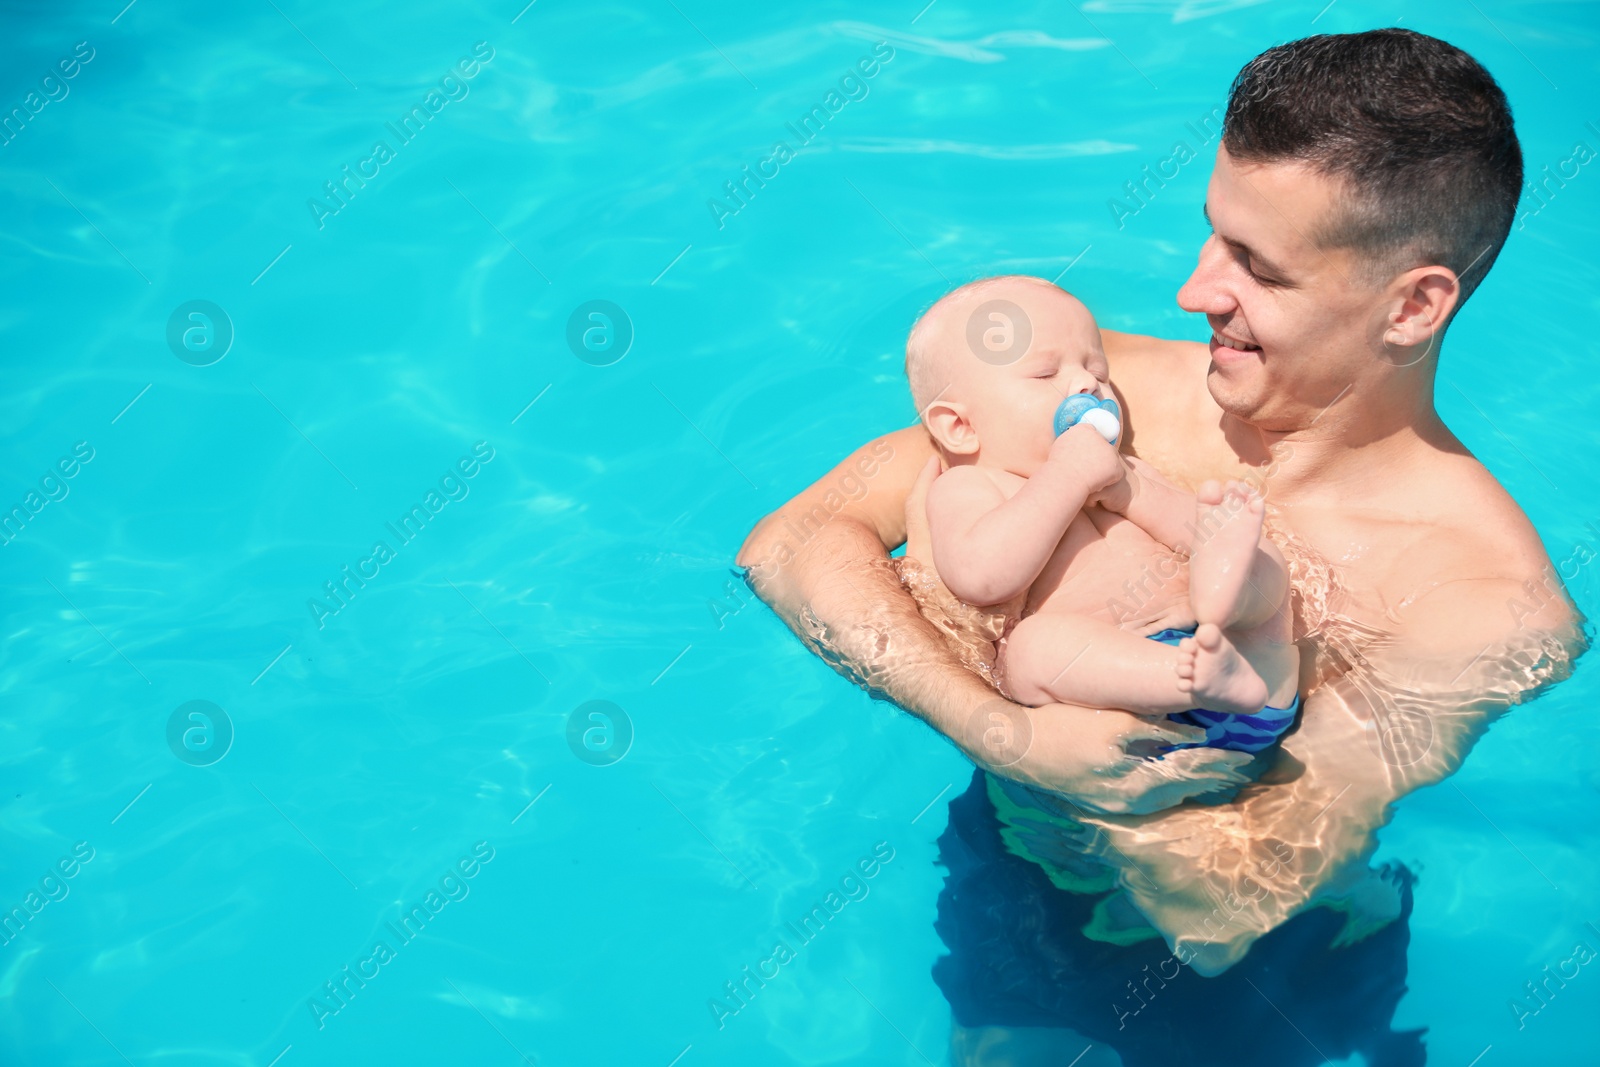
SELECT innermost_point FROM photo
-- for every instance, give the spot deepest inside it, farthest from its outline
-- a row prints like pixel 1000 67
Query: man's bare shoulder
pixel 1160 378
pixel 1480 527
pixel 1171 418
pixel 1138 356
pixel 1482 566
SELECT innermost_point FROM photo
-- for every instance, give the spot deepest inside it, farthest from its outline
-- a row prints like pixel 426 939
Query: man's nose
pixel 1206 291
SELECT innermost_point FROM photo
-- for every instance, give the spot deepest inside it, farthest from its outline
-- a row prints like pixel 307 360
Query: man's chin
pixel 1237 394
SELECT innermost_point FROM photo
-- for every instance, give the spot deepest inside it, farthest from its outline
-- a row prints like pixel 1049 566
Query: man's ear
pixel 1422 301
pixel 947 423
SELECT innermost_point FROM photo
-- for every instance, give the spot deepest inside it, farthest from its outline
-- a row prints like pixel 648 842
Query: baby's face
pixel 1012 406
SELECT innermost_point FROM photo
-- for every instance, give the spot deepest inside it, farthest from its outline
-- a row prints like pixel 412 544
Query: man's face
pixel 1291 322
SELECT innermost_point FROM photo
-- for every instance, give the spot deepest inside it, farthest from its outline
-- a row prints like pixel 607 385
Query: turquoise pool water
pixel 417 734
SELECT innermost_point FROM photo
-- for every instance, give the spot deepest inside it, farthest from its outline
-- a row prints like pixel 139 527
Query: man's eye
pixel 1244 261
pixel 1260 279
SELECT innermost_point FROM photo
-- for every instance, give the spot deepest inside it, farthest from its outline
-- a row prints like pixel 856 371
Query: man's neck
pixel 1360 444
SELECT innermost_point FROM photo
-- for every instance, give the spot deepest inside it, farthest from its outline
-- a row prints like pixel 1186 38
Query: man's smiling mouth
pixel 1238 346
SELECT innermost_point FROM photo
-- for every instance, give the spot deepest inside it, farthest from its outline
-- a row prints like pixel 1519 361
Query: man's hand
pixel 1102 761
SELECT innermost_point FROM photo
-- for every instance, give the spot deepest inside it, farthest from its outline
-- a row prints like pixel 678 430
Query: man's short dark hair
pixel 1417 130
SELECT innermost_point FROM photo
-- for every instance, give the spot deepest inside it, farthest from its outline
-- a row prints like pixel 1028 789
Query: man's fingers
pixel 1215 765
pixel 1176 733
pixel 918 498
pixel 1150 737
pixel 917 537
pixel 1140 791
pixel 1153 785
pixel 1218 766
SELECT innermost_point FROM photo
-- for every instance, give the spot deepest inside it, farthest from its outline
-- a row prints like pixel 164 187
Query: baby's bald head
pixel 939 343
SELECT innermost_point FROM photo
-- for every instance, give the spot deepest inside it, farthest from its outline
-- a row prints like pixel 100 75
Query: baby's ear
pixel 947 422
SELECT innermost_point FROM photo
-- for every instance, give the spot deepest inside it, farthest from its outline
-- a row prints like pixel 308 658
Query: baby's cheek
pixel 1041 428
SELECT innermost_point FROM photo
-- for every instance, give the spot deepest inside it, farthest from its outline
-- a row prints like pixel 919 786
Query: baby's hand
pixel 1090 456
pixel 1118 495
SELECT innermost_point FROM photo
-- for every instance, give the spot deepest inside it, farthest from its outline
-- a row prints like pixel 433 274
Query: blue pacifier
pixel 1103 415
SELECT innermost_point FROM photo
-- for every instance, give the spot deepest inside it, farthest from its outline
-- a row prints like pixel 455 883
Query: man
pixel 1363 187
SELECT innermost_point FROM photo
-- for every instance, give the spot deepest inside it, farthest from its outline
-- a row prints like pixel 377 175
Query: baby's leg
pixel 1237 578
pixel 1238 589
pixel 1220 676
pixel 1078 660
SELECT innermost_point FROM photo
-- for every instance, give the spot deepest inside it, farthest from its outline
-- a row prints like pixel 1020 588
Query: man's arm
pixel 1405 715
pixel 821 562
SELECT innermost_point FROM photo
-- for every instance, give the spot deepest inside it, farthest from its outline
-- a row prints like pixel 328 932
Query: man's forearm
pixel 841 596
pixel 1214 879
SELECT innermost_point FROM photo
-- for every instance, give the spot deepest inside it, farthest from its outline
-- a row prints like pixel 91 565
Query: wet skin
pixel 1426 605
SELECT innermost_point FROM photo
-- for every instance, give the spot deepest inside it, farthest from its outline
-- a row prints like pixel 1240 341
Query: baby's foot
pixel 1216 675
pixel 1228 520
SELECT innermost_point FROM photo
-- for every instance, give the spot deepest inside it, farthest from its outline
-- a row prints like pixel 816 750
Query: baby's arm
pixel 989 549
pixel 1161 509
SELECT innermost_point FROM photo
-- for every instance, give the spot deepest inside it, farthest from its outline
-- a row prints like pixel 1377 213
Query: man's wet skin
pixel 1425 604
pixel 1405 551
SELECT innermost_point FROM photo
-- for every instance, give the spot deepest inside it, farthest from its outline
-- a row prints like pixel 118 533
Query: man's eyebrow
pixel 1240 246
pixel 1255 257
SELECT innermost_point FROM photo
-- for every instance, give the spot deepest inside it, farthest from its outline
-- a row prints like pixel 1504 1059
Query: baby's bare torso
pixel 1107 568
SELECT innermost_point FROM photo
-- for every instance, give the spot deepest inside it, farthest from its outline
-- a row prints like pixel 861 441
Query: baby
pixel 1048 529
